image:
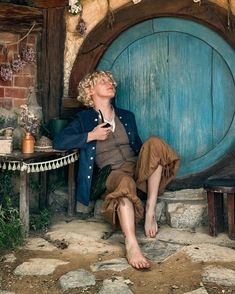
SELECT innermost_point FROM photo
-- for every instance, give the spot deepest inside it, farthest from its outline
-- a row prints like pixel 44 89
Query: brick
pixel 18 102
pixel 23 81
pixel 29 69
pixel 31 39
pixel 5 83
pixel 8 37
pixel 3 58
pixel 1 92
pixel 13 52
pixel 16 92
pixel 6 103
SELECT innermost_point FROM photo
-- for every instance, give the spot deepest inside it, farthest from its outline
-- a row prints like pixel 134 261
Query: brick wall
pixel 16 91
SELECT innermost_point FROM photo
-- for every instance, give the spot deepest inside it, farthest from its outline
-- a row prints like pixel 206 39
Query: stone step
pixel 179 209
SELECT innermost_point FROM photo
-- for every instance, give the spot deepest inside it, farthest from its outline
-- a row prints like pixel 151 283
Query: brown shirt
pixel 115 150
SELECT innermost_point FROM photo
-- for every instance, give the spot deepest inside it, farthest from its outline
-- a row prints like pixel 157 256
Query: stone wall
pixel 94 11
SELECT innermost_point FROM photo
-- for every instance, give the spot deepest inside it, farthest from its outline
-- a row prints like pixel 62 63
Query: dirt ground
pixel 177 275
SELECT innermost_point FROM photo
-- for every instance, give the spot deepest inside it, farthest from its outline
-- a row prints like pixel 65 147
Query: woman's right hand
pixel 99 133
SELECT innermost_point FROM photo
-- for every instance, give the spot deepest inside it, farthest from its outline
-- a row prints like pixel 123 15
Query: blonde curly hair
pixel 90 81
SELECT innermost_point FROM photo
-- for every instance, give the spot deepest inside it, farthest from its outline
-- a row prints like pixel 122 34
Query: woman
pixel 115 141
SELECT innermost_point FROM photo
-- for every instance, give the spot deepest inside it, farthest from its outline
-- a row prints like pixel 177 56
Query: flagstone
pixel 209 253
pixel 117 264
pixel 219 275
pixel 76 279
pixel 38 267
pixel 115 285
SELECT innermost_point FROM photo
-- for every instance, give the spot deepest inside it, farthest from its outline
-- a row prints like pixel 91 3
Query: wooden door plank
pixel 191 114
pixel 223 89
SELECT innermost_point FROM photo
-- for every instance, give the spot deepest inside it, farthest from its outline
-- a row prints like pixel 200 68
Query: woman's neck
pixel 106 109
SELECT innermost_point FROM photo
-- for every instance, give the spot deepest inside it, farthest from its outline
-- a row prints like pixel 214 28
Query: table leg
pixel 211 213
pixel 220 211
pixel 71 189
pixel 24 202
pixel 43 197
pixel 231 215
pixel 215 212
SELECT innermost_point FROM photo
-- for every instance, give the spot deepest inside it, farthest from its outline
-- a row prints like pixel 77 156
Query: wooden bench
pixel 215 189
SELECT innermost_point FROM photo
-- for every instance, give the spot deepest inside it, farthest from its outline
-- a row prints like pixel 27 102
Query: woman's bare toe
pixel 135 257
pixel 150 226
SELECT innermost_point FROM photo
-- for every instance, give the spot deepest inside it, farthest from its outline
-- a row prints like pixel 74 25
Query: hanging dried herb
pixel 229 13
pixel 110 15
pixel 81 27
pixel 17 64
pixel 6 72
pixel 28 54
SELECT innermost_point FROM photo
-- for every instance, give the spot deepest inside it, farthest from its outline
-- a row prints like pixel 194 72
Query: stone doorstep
pixel 185 195
pixel 183 209
pixel 179 209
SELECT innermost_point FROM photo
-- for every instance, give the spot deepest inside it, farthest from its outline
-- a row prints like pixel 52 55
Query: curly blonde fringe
pixel 90 81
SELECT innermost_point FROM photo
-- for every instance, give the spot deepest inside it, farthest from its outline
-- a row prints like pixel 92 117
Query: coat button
pixel 125 124
pixel 93 148
pixel 90 167
pixel 129 133
pixel 88 177
pixel 120 117
pixel 91 158
pixel 96 119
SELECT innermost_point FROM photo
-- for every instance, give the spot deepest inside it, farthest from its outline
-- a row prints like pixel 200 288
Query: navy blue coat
pixel 75 136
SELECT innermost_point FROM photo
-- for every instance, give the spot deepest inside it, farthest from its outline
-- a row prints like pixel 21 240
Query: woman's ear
pixel 90 91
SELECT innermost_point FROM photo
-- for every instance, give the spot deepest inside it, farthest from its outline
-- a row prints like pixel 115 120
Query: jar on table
pixel 28 143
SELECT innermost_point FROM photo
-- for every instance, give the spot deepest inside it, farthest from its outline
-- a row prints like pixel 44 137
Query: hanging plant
pixel 229 23
pixel 75 7
pixel 110 15
pixel 6 72
pixel 81 27
pixel 28 54
pixel 17 64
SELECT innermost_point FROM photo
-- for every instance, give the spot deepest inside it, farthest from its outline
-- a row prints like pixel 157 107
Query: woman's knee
pixel 153 140
pixel 128 181
pixel 125 201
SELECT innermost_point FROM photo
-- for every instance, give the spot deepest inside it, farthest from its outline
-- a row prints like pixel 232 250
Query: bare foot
pixel 134 256
pixel 150 226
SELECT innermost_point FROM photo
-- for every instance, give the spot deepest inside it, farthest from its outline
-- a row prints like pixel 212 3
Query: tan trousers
pixel 123 182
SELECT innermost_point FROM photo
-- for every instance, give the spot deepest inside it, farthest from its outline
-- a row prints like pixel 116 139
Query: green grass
pixel 10 228
pixel 10 224
pixel 40 221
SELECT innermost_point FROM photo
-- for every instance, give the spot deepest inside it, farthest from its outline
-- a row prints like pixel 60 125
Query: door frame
pixel 96 42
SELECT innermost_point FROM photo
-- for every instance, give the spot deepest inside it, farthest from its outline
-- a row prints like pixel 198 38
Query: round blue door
pixel 177 76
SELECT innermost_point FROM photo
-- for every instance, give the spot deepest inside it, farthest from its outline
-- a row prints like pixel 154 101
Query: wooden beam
pixel 50 4
pixel 51 67
pixel 18 18
pixel 39 3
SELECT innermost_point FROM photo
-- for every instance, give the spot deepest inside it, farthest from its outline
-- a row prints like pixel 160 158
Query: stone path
pixel 96 236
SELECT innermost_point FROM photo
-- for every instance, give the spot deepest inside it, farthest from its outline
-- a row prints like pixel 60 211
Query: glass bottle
pixel 28 143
